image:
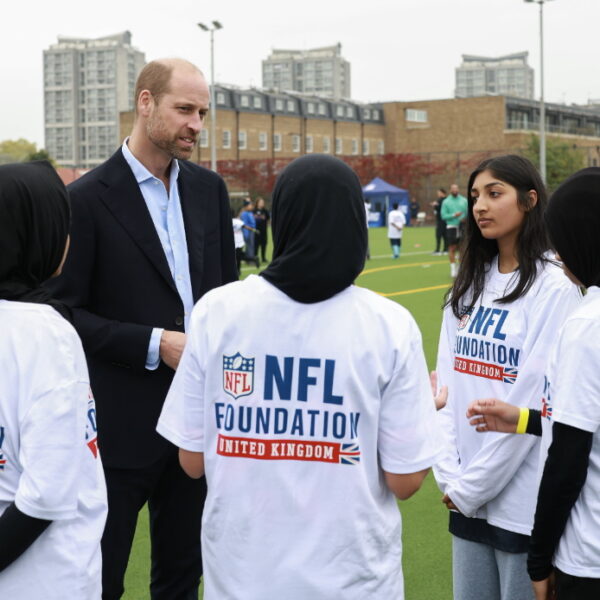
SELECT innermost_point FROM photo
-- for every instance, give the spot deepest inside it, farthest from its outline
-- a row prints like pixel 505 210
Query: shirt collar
pixel 140 172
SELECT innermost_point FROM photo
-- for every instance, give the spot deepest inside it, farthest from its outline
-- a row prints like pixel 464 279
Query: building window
pixel 295 143
pixel 242 139
pixel 380 147
pixel 326 144
pixel 339 146
pixel 365 147
pixel 279 104
pixel 291 106
pixel 244 101
pixel 322 109
pixel 204 138
pixel 416 116
pixel 349 112
pixel 262 140
pixel 309 144
pixel 226 138
pixel 257 102
pixel 375 114
pixel 310 108
pixel 339 111
pixel 366 113
pixel 354 146
pixel 220 98
pixel 277 142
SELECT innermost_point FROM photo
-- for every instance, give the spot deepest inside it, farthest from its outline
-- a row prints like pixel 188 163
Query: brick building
pixel 446 138
pixel 254 124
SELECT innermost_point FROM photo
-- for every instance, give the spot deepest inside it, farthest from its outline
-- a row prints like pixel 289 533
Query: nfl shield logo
pixel 464 320
pixel 238 375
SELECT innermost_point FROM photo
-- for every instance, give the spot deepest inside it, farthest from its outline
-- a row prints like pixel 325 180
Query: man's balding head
pixel 156 76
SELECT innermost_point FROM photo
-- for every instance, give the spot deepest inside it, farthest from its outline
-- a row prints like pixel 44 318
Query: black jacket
pixel 118 283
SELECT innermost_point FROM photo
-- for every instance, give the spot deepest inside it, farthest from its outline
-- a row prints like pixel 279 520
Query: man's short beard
pixel 158 136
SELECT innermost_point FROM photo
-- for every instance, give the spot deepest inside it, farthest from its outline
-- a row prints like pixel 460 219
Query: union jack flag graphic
pixel 546 409
pixel 2 459
pixel 349 454
pixel 510 374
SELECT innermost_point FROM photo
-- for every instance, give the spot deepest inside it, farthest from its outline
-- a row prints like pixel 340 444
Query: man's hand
pixel 457 214
pixel 440 396
pixel 491 414
pixel 172 344
pixel 545 589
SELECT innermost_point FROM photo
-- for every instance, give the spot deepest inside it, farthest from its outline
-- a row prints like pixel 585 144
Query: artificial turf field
pixel 418 281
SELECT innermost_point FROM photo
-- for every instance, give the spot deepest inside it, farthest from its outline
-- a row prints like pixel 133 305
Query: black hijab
pixel 319 229
pixel 573 220
pixel 34 225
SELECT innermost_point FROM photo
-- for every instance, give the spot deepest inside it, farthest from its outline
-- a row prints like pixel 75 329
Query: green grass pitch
pixel 418 281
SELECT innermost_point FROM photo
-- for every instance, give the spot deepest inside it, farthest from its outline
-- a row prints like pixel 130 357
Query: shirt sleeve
pixel 182 417
pixel 153 359
pixel 576 389
pixel 52 438
pixel 408 437
pixel 446 212
pixel 564 476
pixel 500 456
pixel 447 468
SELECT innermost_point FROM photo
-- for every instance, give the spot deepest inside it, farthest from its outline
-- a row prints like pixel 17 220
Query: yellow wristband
pixel 523 420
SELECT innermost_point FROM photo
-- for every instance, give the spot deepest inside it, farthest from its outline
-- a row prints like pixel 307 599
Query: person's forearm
pixel 123 344
pixel 534 424
pixel 489 471
pixel 17 532
pixel 564 475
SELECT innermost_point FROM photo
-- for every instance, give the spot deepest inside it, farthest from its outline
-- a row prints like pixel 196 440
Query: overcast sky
pixel 398 49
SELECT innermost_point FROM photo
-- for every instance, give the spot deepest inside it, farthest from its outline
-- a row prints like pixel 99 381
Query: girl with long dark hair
pixel 564 554
pixel 503 311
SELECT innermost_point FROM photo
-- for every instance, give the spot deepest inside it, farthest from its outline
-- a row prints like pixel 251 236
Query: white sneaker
pixel 453 270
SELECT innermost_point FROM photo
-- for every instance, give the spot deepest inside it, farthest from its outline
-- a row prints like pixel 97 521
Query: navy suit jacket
pixel 117 281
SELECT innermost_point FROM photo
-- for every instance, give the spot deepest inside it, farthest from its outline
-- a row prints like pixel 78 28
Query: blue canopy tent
pixel 382 195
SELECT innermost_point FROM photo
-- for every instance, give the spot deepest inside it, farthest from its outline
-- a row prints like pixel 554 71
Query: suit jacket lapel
pixel 193 207
pixel 125 201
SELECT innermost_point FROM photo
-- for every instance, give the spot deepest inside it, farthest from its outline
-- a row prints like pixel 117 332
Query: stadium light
pixel 213 108
pixel 542 105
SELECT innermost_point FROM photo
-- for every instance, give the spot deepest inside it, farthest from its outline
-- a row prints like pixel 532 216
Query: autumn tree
pixel 562 159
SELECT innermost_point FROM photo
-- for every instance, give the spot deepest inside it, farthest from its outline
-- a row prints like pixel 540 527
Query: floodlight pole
pixel 213 103
pixel 542 104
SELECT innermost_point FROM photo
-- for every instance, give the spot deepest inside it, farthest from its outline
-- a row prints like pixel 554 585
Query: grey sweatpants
pixel 480 572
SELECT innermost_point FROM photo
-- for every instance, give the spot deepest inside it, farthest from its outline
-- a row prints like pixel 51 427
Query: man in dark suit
pixel 151 233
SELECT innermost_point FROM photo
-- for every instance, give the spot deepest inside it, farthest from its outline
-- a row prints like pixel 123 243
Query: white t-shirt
pixel 238 234
pixel 571 396
pixel 297 411
pixel 49 463
pixel 498 351
pixel 396 217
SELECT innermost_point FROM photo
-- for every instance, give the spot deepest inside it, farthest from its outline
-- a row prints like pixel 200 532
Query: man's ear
pixel 145 103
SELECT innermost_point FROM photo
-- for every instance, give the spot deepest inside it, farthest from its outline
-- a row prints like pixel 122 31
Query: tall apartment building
pixel 87 83
pixel 319 71
pixel 508 75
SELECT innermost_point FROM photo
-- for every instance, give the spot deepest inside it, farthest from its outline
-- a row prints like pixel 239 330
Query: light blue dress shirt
pixel 167 216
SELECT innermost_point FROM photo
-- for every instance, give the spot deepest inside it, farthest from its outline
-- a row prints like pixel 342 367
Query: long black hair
pixel 477 252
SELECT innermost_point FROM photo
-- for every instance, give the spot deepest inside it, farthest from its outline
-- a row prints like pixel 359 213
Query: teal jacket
pixel 452 205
